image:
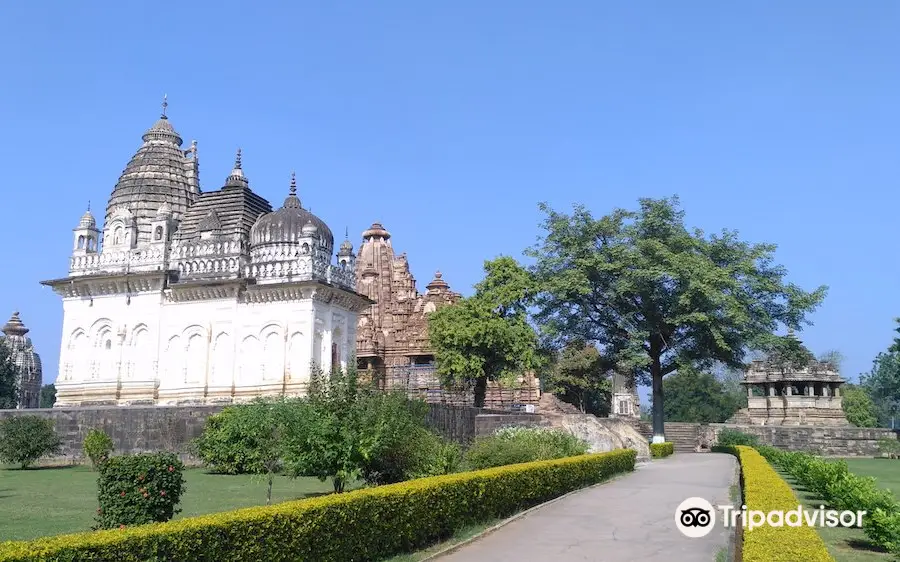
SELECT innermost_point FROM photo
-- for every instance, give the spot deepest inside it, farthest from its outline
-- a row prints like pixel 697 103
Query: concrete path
pixel 629 519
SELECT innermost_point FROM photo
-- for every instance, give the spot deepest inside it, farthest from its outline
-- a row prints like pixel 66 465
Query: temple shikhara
pixel 26 360
pixel 392 335
pixel 192 296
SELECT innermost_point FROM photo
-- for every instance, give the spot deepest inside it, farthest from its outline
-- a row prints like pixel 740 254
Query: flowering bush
pixel 139 489
pixel 511 445
pixel 97 446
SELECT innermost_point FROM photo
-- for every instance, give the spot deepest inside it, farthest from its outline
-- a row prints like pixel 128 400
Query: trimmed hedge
pixel 765 490
pixel 832 481
pixel 661 450
pixel 367 524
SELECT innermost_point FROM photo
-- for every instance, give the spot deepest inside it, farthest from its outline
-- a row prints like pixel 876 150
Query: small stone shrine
pixel 808 395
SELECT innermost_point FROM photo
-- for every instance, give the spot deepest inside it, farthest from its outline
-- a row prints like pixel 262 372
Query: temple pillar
pixel 825 389
pixel 837 391
pixel 749 391
pixel 789 390
pixel 771 390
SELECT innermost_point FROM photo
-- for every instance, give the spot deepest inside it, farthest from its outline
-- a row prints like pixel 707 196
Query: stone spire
pixel 292 201
pixel 15 327
pixel 237 177
pixel 346 246
pixel 159 172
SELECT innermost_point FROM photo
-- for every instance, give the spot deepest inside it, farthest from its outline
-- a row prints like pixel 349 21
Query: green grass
pixel 461 535
pixel 52 501
pixel 851 545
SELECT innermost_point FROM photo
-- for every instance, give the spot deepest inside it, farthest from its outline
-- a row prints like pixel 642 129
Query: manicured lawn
pixel 851 545
pixel 885 471
pixel 51 501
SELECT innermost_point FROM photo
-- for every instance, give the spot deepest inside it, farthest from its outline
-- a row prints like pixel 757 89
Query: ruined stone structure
pixel 192 296
pixel 26 360
pixel 624 398
pixel 392 335
pixel 810 395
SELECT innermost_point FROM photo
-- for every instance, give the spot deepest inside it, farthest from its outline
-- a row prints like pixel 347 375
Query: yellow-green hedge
pixel 366 524
pixel 661 450
pixel 765 490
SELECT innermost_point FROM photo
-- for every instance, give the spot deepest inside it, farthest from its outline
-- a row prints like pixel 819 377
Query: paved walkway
pixel 629 519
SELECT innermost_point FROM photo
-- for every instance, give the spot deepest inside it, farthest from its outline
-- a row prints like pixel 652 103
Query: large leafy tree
pixel 9 377
pixel 698 397
pixel 48 396
pixel 656 296
pixel 486 336
pixel 858 406
pixel 579 376
pixel 883 385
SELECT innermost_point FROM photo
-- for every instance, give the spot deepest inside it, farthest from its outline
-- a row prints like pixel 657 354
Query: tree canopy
pixel 486 336
pixel 656 296
pixel 579 376
pixel 883 385
pixel 858 406
pixel 699 397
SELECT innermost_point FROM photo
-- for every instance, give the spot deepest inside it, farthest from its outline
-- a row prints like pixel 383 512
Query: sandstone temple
pixel 26 360
pixel 392 335
pixel 809 395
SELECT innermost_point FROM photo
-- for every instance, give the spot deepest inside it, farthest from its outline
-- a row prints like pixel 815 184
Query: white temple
pixel 187 296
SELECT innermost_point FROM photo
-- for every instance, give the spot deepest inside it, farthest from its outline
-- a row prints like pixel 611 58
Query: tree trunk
pixel 659 431
pixel 480 391
pixel 269 491
pixel 338 485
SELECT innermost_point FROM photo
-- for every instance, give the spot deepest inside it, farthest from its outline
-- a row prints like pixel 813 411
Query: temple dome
pixel 289 223
pixel 376 230
pixel 87 221
pixel 159 173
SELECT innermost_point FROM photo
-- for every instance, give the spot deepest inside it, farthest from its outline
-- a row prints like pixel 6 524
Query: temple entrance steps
pixel 684 436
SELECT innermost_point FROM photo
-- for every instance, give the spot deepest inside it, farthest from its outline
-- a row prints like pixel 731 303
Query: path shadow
pixel 36 468
pixel 864 545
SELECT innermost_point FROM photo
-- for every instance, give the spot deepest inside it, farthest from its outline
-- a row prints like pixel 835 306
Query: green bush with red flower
pixel 139 489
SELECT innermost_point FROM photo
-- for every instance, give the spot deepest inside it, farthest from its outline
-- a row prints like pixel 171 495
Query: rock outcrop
pixel 603 434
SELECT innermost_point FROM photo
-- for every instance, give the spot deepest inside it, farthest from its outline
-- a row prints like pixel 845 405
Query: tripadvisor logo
pixel 696 517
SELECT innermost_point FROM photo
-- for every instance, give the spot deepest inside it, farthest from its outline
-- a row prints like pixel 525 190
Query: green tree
pixel 579 377
pixel 486 336
pixel 858 406
pixel 655 296
pixel 48 396
pixel 698 397
pixel 25 439
pixel 9 377
pixel 883 385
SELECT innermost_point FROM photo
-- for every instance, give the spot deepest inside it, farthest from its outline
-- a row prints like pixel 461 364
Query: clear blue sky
pixel 449 124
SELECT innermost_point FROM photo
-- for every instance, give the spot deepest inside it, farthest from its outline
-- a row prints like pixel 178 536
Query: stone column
pixel 772 390
pixel 837 391
pixel 825 389
pixel 789 390
pixel 749 391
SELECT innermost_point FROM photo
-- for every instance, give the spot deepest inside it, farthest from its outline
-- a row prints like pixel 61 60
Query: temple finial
pixel 293 183
pixel 165 104
pixel 347 233
pixel 89 205
pixel 237 160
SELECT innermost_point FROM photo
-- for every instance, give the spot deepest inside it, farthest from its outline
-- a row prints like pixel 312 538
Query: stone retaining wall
pixel 138 429
pixel 826 440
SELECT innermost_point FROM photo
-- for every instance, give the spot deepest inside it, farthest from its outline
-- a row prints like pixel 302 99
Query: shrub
pixel 890 447
pixel 833 482
pixel 139 489
pixel 25 439
pixel 367 524
pixel 765 490
pixel 661 450
pixel 732 438
pixel 511 445
pixel 97 446
pixel 238 440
